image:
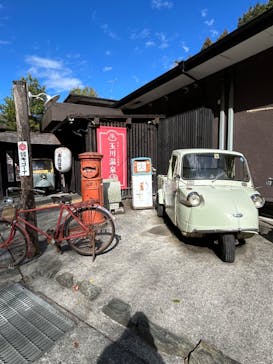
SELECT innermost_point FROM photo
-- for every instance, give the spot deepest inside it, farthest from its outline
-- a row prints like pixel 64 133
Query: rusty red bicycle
pixel 88 228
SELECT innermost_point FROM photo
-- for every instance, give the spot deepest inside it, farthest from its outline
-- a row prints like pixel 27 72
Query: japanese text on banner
pixel 23 157
pixel 112 144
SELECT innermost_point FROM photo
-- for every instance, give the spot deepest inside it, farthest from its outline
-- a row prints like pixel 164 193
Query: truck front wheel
pixel 159 208
pixel 227 247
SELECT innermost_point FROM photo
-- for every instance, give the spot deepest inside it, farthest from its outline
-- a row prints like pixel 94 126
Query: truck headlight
pixel 257 200
pixel 194 199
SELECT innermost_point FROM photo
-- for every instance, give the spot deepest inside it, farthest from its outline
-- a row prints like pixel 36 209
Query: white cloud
pixel 73 56
pixel 164 45
pixel 138 50
pixel 40 62
pixel 160 40
pixel 185 48
pixel 112 85
pixel 93 15
pixel 107 68
pixel 209 22
pixel 214 32
pixel 149 44
pixel 142 34
pixel 4 42
pixel 109 32
pixel 160 4
pixel 204 13
pixel 136 79
pixel 59 83
pixel 54 73
pixel 113 81
pixel 167 62
pixel 163 40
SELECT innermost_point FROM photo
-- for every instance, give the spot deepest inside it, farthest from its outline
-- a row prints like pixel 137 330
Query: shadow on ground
pixel 112 353
pixel 266 231
pixel 209 241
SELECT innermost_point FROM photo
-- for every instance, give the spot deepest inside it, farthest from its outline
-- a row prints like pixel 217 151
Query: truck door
pixel 171 187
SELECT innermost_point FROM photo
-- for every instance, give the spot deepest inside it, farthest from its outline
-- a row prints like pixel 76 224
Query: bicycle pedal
pixel 58 249
pixel 51 241
pixel 50 231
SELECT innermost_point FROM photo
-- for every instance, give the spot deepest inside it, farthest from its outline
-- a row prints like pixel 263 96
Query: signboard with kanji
pixel 23 159
pixel 113 145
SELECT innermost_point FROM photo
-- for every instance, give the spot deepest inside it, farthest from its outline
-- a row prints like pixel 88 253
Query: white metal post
pixel 222 121
pixel 230 115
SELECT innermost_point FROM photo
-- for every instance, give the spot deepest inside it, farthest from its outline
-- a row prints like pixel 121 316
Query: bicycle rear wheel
pixel 98 234
pixel 13 245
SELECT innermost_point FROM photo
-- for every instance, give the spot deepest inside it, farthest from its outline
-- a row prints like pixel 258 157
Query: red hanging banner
pixel 113 145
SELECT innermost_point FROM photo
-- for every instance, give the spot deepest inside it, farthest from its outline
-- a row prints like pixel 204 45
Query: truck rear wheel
pixel 227 247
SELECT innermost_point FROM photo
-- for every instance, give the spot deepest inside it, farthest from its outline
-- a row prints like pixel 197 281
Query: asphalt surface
pixel 177 284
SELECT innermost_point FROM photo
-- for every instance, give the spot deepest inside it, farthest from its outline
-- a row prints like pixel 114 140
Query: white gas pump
pixel 142 194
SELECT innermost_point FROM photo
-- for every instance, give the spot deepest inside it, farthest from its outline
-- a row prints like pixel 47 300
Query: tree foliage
pixel 254 11
pixel 208 42
pixel 86 91
pixel 225 32
pixel 7 109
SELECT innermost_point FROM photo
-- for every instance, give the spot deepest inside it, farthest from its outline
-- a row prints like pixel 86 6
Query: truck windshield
pixel 42 164
pixel 214 166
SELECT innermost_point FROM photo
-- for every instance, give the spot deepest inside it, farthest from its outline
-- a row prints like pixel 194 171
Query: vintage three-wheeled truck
pixel 210 191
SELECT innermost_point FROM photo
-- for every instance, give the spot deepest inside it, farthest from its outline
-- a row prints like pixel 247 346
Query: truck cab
pixel 43 174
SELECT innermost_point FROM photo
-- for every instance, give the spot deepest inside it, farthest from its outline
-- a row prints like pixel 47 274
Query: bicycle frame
pixel 57 236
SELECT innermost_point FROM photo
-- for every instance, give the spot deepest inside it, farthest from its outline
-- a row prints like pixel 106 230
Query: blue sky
pixel 113 46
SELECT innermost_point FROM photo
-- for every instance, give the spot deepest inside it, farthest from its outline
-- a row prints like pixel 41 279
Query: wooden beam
pixel 23 134
pixel 115 116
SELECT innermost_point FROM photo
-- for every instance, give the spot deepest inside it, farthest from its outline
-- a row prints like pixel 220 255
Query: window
pixel 12 166
pixel 174 160
pixel 42 164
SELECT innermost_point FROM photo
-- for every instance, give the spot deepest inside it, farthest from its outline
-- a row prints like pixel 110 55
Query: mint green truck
pixel 210 191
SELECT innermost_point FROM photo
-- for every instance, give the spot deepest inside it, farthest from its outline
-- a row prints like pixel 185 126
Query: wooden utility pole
pixel 23 135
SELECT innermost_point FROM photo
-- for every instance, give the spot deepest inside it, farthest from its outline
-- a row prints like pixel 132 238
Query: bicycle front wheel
pixel 13 245
pixel 96 235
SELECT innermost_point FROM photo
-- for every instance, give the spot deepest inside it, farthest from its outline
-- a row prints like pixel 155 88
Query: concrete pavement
pixel 178 285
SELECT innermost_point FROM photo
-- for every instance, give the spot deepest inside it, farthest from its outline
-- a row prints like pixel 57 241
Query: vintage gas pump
pixel 142 194
pixel 91 180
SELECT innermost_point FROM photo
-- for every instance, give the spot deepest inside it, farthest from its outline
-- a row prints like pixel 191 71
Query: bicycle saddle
pixel 61 198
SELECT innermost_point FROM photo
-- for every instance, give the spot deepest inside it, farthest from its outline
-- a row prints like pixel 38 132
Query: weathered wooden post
pixel 24 150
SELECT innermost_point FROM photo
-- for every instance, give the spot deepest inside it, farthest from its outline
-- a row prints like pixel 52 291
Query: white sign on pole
pixel 23 159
